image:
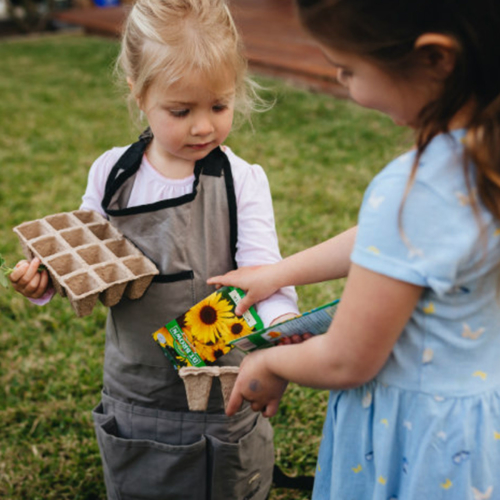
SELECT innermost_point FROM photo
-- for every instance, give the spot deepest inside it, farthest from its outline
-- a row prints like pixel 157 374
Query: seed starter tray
pixel 87 258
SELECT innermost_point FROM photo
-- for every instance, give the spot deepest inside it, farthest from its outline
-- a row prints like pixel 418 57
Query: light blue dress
pixel 428 426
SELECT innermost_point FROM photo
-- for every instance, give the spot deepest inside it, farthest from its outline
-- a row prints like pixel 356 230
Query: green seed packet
pixel 316 322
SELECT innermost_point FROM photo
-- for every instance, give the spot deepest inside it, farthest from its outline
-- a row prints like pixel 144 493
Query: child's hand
pixel 295 339
pixel 255 281
pixel 256 384
pixel 28 280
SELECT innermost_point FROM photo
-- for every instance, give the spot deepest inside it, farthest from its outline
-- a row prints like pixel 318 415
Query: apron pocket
pixel 142 469
pixel 242 470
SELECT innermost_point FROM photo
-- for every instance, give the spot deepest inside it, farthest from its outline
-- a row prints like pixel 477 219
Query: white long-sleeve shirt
pixel 257 239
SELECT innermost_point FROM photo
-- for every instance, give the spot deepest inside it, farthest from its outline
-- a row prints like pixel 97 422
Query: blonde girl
pixel 412 356
pixel 195 209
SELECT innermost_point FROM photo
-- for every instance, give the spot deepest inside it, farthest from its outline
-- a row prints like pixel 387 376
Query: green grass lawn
pixel 59 110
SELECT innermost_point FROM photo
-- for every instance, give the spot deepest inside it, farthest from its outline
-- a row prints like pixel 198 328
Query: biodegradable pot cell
pixel 48 245
pixel 61 266
pixel 64 264
pixel 33 229
pixel 88 216
pixel 104 231
pixel 143 271
pixel 198 382
pixel 227 377
pixel 78 237
pixel 83 291
pixel 122 248
pixel 117 277
pixel 94 254
pixel 61 221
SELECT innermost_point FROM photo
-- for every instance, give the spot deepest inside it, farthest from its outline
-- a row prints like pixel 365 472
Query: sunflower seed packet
pixel 203 333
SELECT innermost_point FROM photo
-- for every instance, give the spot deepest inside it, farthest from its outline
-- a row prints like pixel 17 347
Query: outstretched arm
pixel 327 261
pixel 371 315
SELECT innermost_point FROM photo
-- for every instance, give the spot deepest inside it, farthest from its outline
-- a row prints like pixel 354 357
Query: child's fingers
pixel 271 409
pixel 30 273
pixel 235 402
pixel 31 288
pixel 244 305
pixel 26 279
pixel 223 280
pixel 19 271
pixel 42 285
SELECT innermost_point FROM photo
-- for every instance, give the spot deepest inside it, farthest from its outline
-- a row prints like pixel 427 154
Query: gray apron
pixel 151 445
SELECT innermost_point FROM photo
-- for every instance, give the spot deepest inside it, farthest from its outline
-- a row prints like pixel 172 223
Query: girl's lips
pixel 200 146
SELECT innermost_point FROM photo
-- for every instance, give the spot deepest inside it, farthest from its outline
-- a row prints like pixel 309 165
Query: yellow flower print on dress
pixel 429 308
pixel 446 485
pixel 208 319
pixel 480 374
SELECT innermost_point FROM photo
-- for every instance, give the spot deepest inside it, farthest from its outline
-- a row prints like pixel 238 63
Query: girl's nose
pixel 202 126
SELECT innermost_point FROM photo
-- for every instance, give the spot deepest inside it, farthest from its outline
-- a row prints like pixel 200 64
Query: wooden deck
pixel 275 43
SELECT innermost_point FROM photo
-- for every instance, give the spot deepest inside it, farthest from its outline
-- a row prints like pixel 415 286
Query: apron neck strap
pixel 128 164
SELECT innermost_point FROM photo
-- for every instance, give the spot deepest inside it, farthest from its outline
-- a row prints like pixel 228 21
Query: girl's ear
pixel 438 52
pixel 130 84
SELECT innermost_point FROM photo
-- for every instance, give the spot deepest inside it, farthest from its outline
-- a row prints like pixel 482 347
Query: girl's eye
pixel 179 113
pixel 219 107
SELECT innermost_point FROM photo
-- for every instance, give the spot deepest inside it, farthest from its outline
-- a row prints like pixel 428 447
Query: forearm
pixel 324 371
pixel 359 339
pixel 327 261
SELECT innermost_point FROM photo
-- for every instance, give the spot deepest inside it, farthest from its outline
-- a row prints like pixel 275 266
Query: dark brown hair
pixel 386 31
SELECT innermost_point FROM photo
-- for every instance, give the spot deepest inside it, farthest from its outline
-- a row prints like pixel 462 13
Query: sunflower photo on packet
pixel 203 333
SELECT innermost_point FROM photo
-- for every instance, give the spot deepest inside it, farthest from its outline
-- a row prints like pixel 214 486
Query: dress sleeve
pixel 257 239
pixel 427 245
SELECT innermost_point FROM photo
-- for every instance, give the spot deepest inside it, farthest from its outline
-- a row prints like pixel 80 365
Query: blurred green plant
pixel 5 272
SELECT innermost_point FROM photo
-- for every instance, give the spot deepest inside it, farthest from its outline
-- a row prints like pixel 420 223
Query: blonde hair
pixel 169 38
